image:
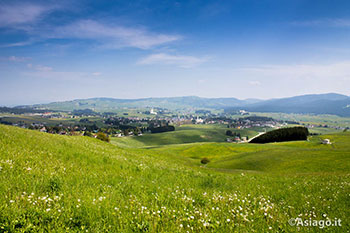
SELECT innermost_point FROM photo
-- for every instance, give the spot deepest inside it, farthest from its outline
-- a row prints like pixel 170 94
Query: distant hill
pixel 331 103
pixel 109 104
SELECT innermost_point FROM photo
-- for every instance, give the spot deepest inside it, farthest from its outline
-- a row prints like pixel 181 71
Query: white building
pixel 326 141
pixel 153 112
pixel 199 120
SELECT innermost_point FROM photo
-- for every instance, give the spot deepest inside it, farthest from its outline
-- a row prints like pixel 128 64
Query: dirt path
pixel 260 133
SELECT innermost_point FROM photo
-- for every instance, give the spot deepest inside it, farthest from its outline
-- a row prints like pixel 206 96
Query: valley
pixel 158 181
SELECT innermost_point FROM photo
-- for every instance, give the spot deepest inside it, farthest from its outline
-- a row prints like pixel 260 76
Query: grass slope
pixel 53 183
pixel 182 134
pixel 288 157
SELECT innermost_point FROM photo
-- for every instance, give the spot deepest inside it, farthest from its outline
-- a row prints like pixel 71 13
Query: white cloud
pixel 255 83
pixel 18 59
pixel 47 72
pixel 29 17
pixel 58 75
pixel 179 60
pixel 294 79
pixel 40 68
pixel 335 22
pixel 16 14
pixel 14 59
pixel 43 68
pixel 113 35
pixel 334 70
pixel 19 44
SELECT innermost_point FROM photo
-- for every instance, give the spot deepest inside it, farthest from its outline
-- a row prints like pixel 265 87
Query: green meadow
pixel 182 135
pixel 156 183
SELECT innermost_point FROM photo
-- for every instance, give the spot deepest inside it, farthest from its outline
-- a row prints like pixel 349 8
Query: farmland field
pixel 80 184
pixel 183 134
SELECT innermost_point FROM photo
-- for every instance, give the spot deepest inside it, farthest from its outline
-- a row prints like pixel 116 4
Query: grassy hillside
pixel 182 134
pixel 331 120
pixel 79 184
pixel 110 104
pixel 289 157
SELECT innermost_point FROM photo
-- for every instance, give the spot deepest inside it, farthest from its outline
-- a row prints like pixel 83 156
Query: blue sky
pixel 60 50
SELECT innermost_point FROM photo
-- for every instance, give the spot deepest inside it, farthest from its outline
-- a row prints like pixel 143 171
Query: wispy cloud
pixel 22 13
pixel 43 68
pixel 15 59
pixel 110 36
pixel 329 22
pixel 255 83
pixel 178 60
pixel 47 72
pixel 315 71
pixel 19 44
pixel 113 35
pixel 97 74
pixel 27 18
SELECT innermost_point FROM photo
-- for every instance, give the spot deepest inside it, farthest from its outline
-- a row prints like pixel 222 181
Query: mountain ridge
pixel 328 103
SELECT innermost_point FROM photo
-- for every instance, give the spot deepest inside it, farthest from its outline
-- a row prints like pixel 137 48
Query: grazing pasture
pixel 81 184
pixel 183 134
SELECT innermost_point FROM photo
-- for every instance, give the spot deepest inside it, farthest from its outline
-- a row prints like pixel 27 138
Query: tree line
pixel 282 135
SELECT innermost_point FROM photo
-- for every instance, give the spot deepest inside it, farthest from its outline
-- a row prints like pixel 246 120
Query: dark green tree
pixel 102 136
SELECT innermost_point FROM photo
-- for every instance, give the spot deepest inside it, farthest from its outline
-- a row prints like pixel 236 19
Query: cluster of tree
pixel 157 123
pixel 257 119
pixel 109 114
pixel 314 134
pixel 220 118
pixel 84 112
pixel 133 131
pixel 161 129
pixel 2 121
pixel 22 110
pixel 102 136
pixel 205 160
pixel 117 121
pixel 84 120
pixel 292 122
pixel 56 129
pixel 282 135
pixel 232 134
pixel 203 112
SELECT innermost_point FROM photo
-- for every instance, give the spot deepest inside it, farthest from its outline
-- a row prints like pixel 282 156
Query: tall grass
pixel 53 183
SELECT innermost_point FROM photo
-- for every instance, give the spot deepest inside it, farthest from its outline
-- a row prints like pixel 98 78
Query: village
pixel 89 122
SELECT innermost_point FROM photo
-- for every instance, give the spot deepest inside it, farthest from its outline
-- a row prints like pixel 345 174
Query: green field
pixel 183 134
pixel 54 183
pixel 332 120
pixel 287 157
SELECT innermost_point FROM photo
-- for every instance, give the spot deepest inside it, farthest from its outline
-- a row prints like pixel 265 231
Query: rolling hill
pixel 110 104
pixel 80 184
pixel 331 103
pixel 182 135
